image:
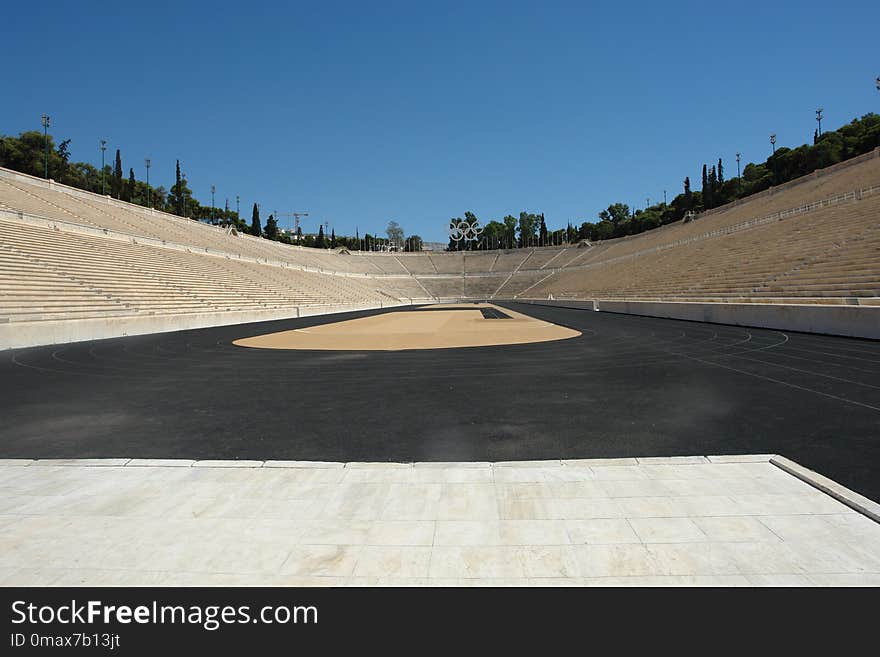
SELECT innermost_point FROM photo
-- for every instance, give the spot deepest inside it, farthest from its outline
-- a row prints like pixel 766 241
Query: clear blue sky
pixel 414 111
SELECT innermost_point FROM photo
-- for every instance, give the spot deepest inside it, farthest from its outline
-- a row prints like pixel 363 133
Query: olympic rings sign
pixel 461 229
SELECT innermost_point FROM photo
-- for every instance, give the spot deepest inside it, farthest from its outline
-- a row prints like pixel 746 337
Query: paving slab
pixel 160 463
pixel 304 464
pixel 240 523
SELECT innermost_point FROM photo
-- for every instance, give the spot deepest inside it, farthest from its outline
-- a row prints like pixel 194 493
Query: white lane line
pixel 788 367
pixel 785 383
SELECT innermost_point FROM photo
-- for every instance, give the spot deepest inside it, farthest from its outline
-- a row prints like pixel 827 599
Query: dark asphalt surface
pixel 629 386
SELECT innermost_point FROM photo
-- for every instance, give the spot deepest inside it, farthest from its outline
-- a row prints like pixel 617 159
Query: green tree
pixel 175 199
pixel 586 231
pixel 615 213
pixel 493 234
pixel 528 228
pixel 394 233
pixel 26 153
pixel 509 237
pixel 256 229
pixel 271 228
pixel 319 242
pixel 132 185
pixel 413 243
pixel 709 199
pixel 454 245
pixel 543 231
pixel 705 188
pixel 116 181
pixel 191 207
pixel 475 241
pixel 159 196
pixel 64 159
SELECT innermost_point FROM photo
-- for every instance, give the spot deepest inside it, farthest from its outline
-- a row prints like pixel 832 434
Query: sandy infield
pixel 441 327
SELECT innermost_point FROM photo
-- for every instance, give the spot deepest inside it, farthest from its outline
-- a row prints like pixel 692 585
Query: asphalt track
pixel 629 386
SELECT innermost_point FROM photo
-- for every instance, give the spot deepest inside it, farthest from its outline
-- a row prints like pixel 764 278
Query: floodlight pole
pixel 46 142
pixel 213 189
pixel 819 120
pixel 738 176
pixel 149 191
pixel 236 207
pixel 103 149
pixel 773 144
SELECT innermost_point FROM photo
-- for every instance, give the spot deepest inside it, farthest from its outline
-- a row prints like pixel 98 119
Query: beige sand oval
pixel 433 327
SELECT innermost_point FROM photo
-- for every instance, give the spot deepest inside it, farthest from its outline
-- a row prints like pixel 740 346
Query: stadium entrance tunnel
pixel 436 327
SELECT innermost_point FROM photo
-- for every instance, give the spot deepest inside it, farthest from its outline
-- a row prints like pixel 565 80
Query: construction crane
pixel 296 216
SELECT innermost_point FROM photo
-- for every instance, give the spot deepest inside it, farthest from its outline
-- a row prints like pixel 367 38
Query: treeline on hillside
pixel 27 154
pixel 786 164
pixel 529 229
pixel 35 154
pixel 617 220
pixel 393 241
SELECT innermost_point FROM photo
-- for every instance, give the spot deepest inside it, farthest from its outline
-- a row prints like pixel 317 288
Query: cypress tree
pixel 320 243
pixel 178 192
pixel 707 192
pixel 64 156
pixel 720 172
pixel 131 185
pixel 256 229
pixel 713 185
pixel 117 176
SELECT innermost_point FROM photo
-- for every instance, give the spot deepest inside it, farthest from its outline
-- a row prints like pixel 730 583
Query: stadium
pixel 694 404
